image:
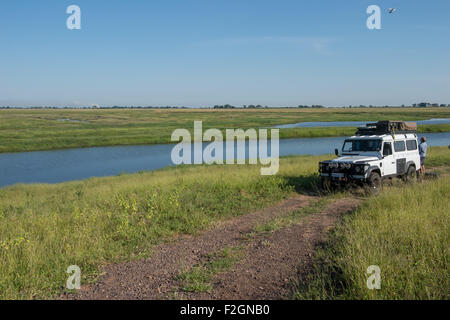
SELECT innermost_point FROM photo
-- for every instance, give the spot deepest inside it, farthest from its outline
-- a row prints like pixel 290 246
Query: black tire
pixel 410 175
pixel 374 183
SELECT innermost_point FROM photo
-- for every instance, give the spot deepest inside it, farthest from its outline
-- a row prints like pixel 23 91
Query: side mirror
pixel 336 152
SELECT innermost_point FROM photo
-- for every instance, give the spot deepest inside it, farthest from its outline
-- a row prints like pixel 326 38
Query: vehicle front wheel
pixel 410 175
pixel 374 183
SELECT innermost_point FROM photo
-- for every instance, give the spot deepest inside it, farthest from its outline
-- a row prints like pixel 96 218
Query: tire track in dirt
pixel 272 262
pixel 154 278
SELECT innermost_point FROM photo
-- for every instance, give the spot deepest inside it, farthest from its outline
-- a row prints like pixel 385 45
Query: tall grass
pixel 438 156
pixel 46 228
pixel 404 231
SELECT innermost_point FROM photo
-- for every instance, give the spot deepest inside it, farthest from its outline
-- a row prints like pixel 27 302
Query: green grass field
pixel 404 231
pixel 35 129
pixel 46 228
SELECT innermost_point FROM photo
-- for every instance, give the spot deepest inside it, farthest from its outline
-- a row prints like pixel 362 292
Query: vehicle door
pixel 400 156
pixel 412 152
pixel 389 165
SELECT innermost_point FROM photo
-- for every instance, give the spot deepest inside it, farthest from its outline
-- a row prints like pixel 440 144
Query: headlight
pixel 323 166
pixel 334 165
pixel 360 168
pixel 346 165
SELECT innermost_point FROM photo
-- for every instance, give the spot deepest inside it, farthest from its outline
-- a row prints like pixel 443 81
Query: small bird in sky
pixel 391 10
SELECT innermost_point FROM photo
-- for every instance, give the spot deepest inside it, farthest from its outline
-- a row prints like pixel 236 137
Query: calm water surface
pixel 74 164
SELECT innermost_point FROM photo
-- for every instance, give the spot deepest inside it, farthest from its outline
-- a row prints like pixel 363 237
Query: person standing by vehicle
pixel 422 153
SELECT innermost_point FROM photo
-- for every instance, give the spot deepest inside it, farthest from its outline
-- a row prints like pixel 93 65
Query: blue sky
pixel 207 52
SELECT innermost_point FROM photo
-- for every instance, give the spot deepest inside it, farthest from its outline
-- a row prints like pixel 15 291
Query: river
pixel 75 164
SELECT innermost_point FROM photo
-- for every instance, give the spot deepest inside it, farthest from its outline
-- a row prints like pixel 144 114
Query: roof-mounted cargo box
pixel 387 127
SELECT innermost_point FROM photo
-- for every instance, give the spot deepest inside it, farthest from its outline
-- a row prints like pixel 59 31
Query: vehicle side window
pixel 399 146
pixel 387 149
pixel 411 145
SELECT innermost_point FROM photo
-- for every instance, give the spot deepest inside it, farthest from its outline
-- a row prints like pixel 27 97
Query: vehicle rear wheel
pixel 374 183
pixel 410 175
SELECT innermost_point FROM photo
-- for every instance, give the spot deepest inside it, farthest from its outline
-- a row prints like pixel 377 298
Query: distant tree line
pixel 225 106
pixel 313 106
pixel 250 106
pixel 427 104
pixel 415 105
pixel 96 107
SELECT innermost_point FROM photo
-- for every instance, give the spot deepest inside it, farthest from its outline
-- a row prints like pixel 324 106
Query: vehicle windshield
pixel 361 145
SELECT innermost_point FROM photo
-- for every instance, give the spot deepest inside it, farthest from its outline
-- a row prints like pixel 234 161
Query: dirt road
pixel 267 266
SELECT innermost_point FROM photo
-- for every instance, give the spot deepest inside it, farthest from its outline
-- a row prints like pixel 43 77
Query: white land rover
pixel 381 150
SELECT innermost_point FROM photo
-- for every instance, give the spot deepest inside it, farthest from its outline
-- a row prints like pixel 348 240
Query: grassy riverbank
pixel 46 228
pixel 35 129
pixel 404 231
pixel 348 131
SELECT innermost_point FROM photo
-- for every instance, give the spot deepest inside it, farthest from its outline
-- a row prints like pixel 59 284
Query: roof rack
pixel 387 127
